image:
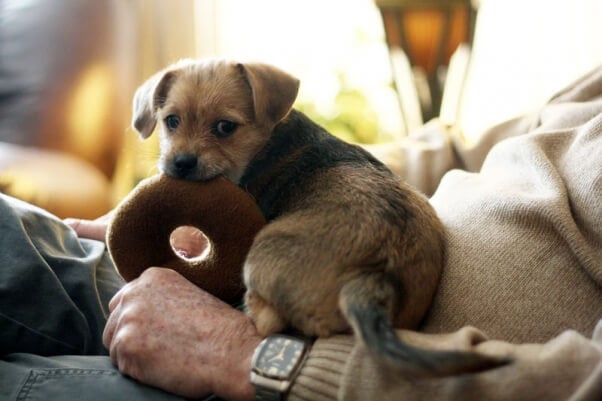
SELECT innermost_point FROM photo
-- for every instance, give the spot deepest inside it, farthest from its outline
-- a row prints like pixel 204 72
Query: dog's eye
pixel 172 121
pixel 225 128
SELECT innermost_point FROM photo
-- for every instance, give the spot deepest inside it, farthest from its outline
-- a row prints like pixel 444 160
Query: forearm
pixel 567 367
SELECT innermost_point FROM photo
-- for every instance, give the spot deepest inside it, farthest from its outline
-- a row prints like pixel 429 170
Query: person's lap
pixel 54 292
pixel 32 377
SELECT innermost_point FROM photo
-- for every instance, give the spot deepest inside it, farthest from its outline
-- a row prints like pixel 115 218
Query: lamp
pixel 428 32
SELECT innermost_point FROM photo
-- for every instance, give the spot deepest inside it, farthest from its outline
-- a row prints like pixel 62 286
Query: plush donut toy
pixel 139 234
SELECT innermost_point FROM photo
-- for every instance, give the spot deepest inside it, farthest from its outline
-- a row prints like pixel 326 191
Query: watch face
pixel 278 357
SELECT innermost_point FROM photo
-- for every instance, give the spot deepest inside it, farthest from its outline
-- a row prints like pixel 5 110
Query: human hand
pixel 188 242
pixel 166 332
pixel 92 229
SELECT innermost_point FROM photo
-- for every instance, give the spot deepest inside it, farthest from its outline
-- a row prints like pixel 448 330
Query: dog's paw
pixel 266 317
pixel 324 324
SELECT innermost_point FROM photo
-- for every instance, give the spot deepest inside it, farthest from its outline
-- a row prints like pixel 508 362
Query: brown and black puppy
pixel 347 245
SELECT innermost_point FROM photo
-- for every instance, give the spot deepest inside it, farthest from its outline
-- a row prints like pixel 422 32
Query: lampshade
pixel 428 32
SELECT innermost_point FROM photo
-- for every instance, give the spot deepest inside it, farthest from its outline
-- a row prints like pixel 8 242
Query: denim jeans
pixel 54 292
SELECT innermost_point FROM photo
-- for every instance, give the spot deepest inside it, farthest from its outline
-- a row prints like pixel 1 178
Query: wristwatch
pixel 276 362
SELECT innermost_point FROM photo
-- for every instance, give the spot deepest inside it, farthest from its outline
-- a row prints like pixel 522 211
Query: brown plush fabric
pixel 139 234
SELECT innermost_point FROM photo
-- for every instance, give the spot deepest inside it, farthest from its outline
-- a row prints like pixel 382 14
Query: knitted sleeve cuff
pixel 320 376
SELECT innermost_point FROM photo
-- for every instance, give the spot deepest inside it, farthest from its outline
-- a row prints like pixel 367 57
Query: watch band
pixel 265 394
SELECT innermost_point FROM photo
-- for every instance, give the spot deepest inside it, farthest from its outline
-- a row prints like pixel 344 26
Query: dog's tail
pixel 366 302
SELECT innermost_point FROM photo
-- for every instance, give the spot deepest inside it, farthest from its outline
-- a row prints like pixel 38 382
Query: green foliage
pixel 351 117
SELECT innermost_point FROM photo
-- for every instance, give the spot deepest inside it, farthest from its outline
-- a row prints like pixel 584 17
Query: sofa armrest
pixel 63 184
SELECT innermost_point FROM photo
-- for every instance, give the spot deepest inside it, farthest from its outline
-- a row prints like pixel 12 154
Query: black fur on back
pixel 297 150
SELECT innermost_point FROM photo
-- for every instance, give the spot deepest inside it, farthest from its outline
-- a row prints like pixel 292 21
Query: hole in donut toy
pixel 190 243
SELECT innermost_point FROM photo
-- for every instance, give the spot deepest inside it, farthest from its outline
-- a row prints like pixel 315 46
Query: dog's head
pixel 214 115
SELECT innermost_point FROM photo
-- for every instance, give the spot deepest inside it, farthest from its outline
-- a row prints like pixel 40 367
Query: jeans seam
pixel 37 375
pixel 26 387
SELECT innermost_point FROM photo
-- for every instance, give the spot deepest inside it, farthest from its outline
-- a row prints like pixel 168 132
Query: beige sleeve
pixel 524 264
pixel 569 367
pixel 424 157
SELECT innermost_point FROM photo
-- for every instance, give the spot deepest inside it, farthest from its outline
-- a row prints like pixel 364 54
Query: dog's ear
pixel 274 91
pixel 149 97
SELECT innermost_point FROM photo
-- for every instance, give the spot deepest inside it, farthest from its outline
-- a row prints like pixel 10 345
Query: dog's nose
pixel 184 164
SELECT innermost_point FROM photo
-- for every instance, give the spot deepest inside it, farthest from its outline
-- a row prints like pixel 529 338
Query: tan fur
pixel 301 261
pixel 203 93
pixel 347 245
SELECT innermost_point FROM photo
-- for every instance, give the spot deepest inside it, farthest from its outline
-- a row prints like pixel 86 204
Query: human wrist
pixel 233 382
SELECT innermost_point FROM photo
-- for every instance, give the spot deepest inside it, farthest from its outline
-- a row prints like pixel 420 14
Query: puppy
pixel 347 245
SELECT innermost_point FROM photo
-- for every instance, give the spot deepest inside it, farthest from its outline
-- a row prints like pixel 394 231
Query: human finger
pixel 110 327
pixel 91 229
pixel 118 296
pixel 188 241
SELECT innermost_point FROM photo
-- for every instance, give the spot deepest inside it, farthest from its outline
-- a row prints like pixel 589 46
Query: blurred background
pixel 372 71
